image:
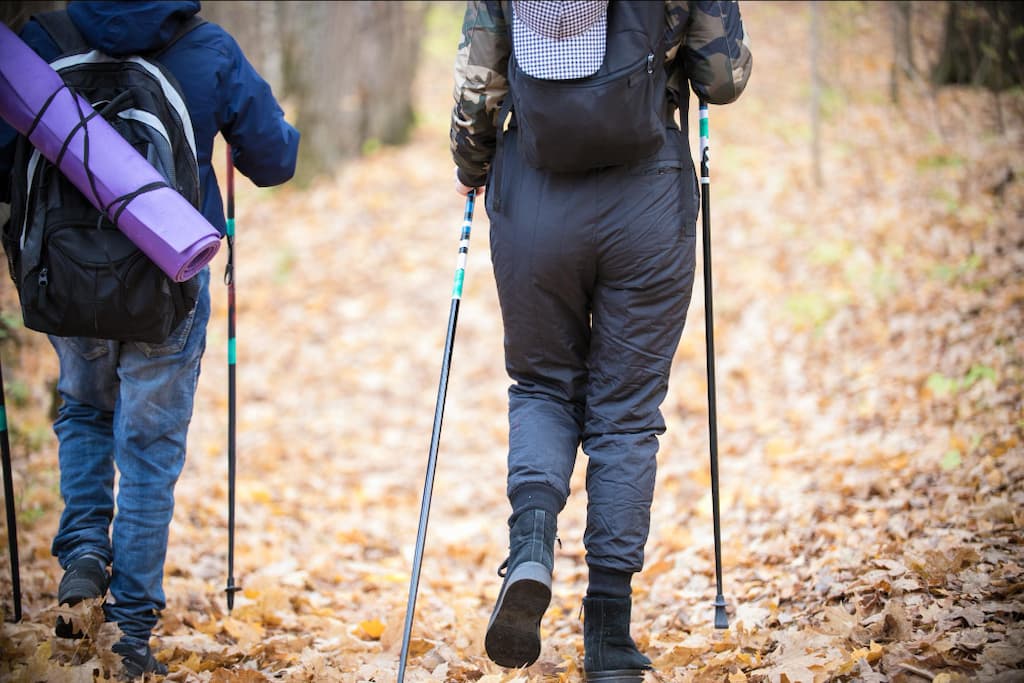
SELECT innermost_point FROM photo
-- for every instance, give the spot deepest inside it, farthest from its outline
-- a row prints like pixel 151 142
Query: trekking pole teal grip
pixel 467 226
pixel 229 270
pixel 705 146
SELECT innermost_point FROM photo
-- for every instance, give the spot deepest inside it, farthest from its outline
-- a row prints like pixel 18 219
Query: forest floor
pixel 869 362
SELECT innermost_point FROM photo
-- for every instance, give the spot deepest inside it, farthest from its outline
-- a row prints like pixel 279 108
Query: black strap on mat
pixel 68 39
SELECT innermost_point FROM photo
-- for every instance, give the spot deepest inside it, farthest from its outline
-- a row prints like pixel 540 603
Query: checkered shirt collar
pixel 559 39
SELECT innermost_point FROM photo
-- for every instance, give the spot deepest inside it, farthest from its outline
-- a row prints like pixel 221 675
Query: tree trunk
pixel 902 48
pixel 343 69
pixel 983 45
pixel 254 25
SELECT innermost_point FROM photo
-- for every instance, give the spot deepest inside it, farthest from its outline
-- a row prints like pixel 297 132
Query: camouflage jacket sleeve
pixel 712 48
pixel 480 87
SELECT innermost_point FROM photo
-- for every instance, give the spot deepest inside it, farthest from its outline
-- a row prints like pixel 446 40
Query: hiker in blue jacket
pixel 128 404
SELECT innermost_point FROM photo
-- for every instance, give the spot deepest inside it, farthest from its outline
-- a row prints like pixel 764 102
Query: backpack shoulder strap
pixel 68 38
pixel 62 31
pixel 193 22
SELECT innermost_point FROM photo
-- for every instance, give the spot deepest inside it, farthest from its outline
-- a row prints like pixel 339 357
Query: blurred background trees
pixel 344 70
pixel 983 45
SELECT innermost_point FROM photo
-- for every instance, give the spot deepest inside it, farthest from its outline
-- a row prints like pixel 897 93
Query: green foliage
pixel 884 282
pixel 371 145
pixel 978 373
pixel 440 39
pixel 830 253
pixel 950 201
pixel 845 19
pixel 444 29
pixel 9 321
pixel 948 273
pixel 941 385
pixel 17 392
pixel 951 460
pixel 28 437
pixel 832 102
pixel 939 161
pixel 31 515
pixel 810 309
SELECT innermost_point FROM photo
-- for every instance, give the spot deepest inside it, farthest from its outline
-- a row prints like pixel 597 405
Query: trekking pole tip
pixel 231 589
pixel 721 620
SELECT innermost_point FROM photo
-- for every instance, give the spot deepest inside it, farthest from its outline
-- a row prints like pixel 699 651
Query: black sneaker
pixel 138 660
pixel 84 579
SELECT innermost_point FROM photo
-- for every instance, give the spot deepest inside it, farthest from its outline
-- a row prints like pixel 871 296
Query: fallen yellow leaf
pixel 372 628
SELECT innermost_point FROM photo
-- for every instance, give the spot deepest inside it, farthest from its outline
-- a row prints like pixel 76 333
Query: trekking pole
pixel 721 620
pixel 229 280
pixel 12 515
pixel 435 436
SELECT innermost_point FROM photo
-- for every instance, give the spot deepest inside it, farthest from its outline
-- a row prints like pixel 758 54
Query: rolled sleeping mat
pixel 160 222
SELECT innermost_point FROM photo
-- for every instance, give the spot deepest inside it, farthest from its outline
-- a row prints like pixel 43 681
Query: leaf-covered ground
pixel 870 368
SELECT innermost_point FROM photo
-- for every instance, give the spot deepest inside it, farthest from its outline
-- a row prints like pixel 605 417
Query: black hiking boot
pixel 513 634
pixel 137 660
pixel 84 579
pixel 609 653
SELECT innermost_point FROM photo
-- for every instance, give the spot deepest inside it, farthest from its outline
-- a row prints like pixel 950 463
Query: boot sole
pixel 65 629
pixel 74 593
pixel 513 634
pixel 617 676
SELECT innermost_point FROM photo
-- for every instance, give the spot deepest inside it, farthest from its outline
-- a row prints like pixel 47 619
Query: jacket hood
pixel 122 27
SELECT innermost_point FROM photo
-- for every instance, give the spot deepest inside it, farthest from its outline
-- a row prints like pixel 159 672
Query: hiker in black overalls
pixel 592 243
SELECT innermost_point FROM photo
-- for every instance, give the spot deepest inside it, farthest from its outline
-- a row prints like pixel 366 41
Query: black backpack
pixel 616 116
pixel 76 273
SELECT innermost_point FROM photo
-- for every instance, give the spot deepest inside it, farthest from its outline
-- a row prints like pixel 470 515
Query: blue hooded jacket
pixel 223 92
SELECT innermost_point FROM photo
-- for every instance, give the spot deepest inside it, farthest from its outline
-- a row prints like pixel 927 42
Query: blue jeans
pixel 126 405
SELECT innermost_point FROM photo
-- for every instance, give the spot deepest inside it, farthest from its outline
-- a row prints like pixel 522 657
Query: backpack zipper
pixel 646 64
pixel 44 272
